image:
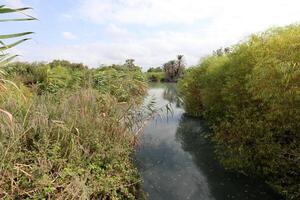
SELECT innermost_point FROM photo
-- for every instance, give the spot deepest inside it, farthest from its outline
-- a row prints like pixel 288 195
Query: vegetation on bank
pixel 170 72
pixel 250 93
pixel 65 131
pixel 155 75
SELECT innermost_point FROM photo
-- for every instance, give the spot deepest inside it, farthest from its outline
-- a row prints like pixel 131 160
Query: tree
pixel 67 64
pixel 221 51
pixel 129 64
pixel 174 69
pixel 155 69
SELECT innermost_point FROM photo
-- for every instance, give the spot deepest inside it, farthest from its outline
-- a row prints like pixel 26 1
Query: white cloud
pixel 115 32
pixel 153 50
pixel 154 31
pixel 67 16
pixel 158 12
pixel 146 12
pixel 13 3
pixel 69 36
pixel 202 25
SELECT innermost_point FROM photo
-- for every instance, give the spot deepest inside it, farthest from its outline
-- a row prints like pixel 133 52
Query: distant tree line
pixel 171 71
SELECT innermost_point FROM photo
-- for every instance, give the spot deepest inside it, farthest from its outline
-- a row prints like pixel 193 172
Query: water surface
pixel 177 161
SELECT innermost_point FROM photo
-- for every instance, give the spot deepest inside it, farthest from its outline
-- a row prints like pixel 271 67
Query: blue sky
pixel 150 31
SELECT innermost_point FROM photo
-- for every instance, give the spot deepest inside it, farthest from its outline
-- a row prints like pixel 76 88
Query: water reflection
pixel 191 133
pixel 170 94
pixel 177 162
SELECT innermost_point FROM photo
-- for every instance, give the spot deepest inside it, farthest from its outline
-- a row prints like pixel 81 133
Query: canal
pixel 176 159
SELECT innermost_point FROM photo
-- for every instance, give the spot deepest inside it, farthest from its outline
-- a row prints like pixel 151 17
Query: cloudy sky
pixel 150 31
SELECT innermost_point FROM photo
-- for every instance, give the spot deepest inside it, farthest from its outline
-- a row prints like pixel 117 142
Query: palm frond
pixel 5 47
pixel 7 36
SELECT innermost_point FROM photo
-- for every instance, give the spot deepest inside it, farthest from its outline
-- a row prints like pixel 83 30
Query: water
pixel 176 161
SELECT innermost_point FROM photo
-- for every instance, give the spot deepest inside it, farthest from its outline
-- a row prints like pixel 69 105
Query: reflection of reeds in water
pixel 170 94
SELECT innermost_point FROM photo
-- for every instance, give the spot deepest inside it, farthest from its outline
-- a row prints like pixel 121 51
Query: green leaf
pixel 15 20
pixel 3 55
pixel 14 35
pixel 3 44
pixel 4 10
pixel 13 44
pixel 7 60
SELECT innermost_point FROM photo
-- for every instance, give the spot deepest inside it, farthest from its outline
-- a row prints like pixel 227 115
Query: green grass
pixel 64 137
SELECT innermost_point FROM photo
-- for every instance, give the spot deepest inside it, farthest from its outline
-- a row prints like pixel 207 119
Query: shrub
pixel 251 97
pixel 123 84
pixel 155 76
pixel 64 133
pixel 74 148
pixel 45 77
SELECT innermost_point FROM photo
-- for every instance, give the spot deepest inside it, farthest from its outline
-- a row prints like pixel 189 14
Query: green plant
pixel 121 83
pixel 174 69
pixel 61 138
pixel 155 76
pixel 74 147
pixel 5 57
pixel 251 97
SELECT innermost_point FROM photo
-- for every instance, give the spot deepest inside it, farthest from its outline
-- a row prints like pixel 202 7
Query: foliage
pixel 156 69
pixel 61 138
pixel 155 76
pixel 46 77
pixel 6 57
pixel 121 83
pixel 174 69
pixel 250 95
pixel 127 66
pixel 67 64
pixel 67 132
pixel 75 147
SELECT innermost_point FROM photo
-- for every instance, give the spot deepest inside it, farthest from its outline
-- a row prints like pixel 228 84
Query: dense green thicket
pixel 47 77
pixel 65 131
pixel 123 84
pixel 251 96
pixel 154 76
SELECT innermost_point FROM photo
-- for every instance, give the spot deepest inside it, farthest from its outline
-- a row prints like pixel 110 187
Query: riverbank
pixel 250 95
pixel 65 132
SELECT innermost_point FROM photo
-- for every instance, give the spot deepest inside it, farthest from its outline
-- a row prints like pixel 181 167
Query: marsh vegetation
pixel 250 96
pixel 68 131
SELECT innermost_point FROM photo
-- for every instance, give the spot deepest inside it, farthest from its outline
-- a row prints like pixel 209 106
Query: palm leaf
pixel 6 60
pixel 5 47
pixel 14 35
pixel 4 10
pixel 6 57
pixel 15 20
pixel 3 55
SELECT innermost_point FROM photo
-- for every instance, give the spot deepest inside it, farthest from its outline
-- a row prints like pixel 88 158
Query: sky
pixel 152 32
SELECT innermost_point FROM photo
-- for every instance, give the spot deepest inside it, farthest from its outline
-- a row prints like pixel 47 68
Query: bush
pixel 251 97
pixel 123 84
pixel 155 76
pixel 73 148
pixel 65 135
pixel 46 77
